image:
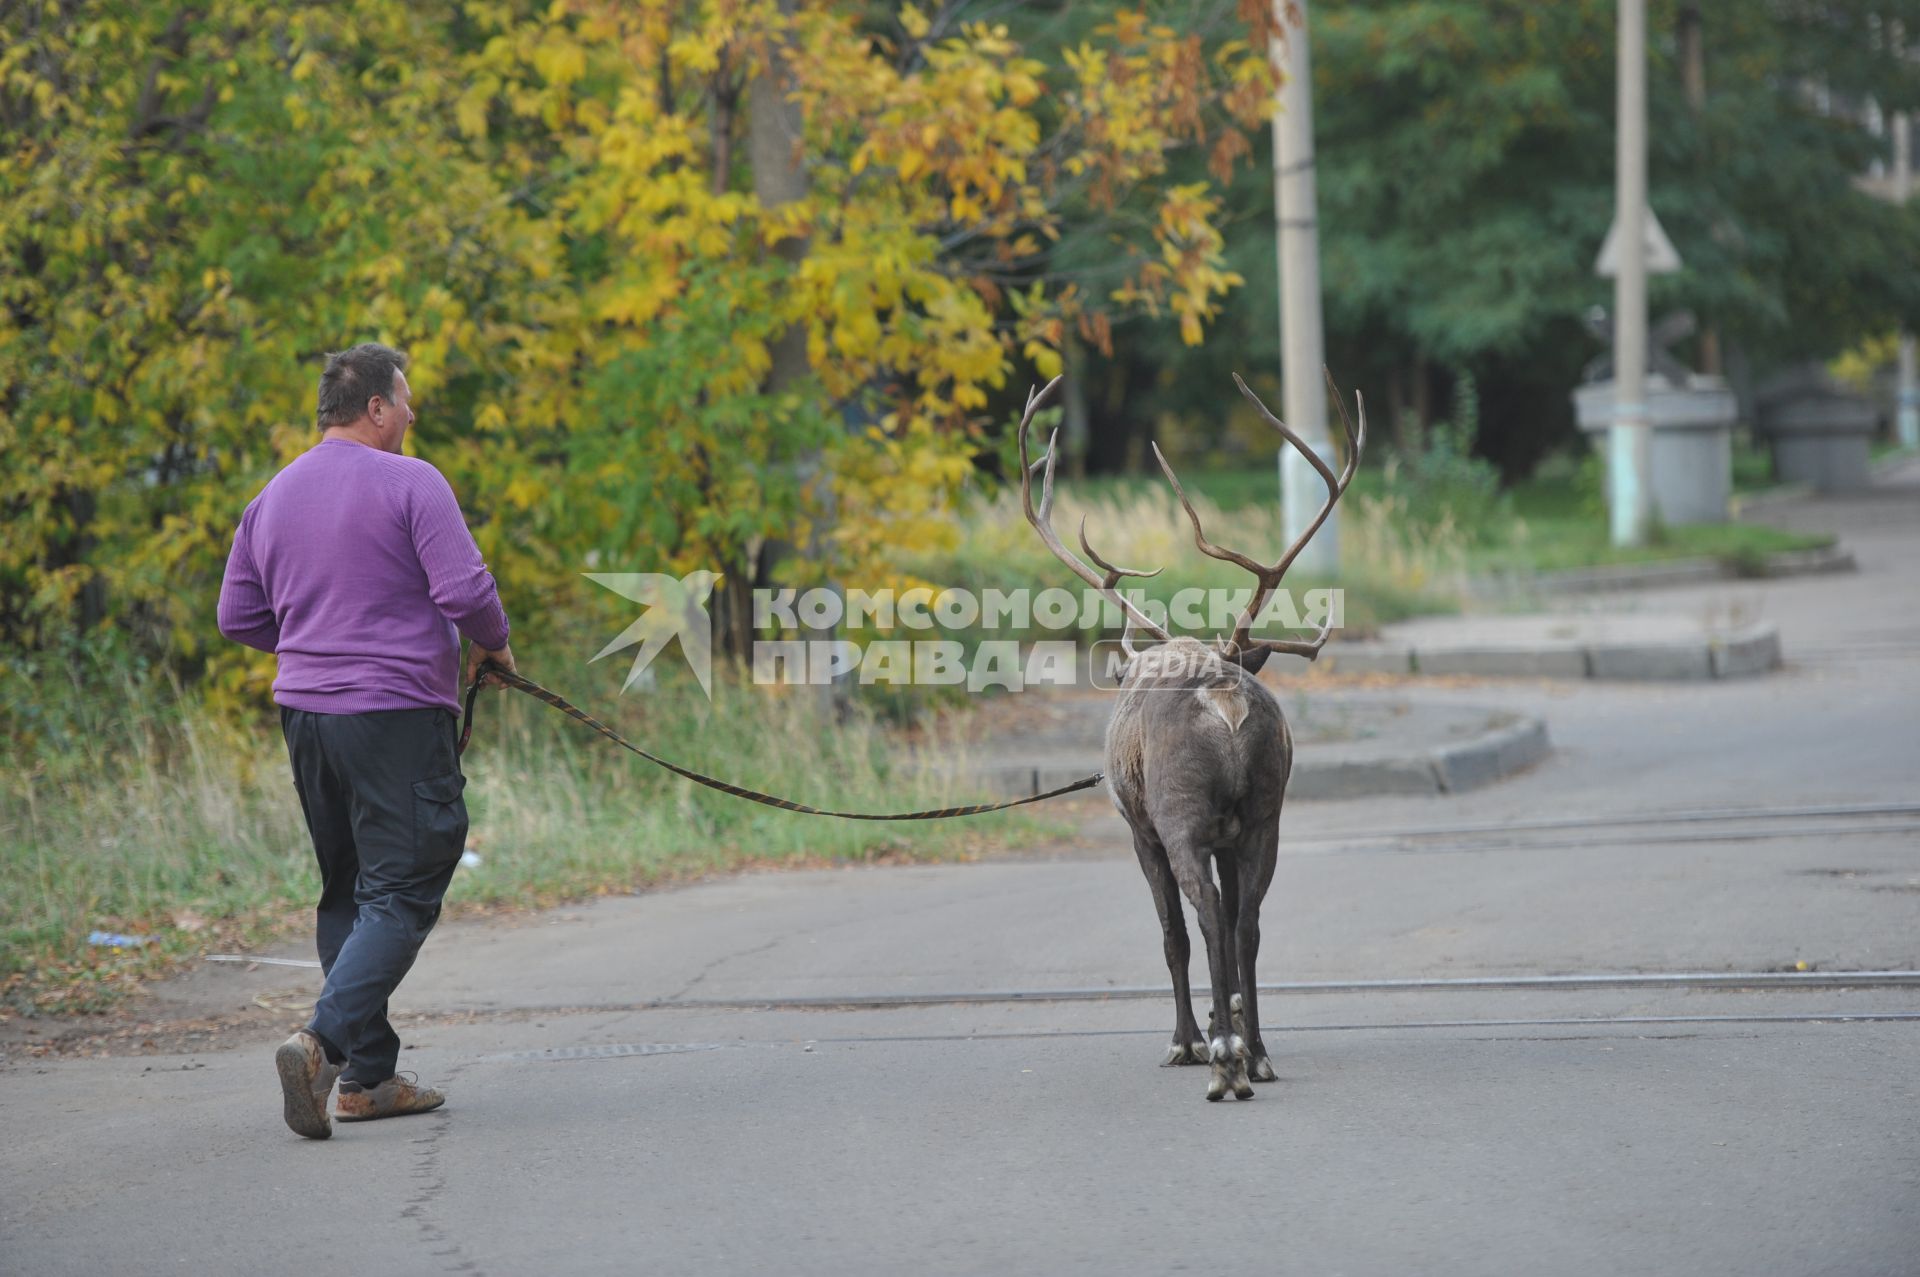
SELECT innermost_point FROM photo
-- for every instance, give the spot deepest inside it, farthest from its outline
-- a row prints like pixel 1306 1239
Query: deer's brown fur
pixel 1198 756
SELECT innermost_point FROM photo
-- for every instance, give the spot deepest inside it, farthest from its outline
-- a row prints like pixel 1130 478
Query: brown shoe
pixel 395 1097
pixel 305 1080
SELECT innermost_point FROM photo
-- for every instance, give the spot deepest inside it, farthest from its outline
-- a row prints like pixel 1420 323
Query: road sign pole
pixel 1907 393
pixel 1629 439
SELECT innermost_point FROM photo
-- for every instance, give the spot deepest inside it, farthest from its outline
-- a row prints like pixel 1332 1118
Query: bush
pixel 1442 482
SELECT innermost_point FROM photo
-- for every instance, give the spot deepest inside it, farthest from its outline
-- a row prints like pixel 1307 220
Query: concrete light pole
pixel 1302 343
pixel 1907 393
pixel 1629 440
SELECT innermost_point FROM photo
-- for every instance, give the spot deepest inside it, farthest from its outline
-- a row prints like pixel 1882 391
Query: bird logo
pixel 675 608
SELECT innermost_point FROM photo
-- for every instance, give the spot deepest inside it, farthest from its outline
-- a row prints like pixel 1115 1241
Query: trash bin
pixel 1817 430
pixel 1692 445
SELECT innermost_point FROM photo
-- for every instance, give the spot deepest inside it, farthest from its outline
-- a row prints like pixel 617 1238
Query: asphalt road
pixel 848 1072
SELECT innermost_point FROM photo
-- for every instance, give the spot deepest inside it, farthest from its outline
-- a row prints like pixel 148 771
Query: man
pixel 354 566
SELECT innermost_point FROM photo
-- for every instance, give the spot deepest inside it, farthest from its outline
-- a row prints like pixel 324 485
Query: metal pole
pixel 1907 396
pixel 1302 344
pixel 1629 440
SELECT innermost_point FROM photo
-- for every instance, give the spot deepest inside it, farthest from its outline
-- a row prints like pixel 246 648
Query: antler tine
pixel 1034 399
pixel 1356 442
pixel 1041 519
pixel 1114 573
pixel 1242 641
pixel 1199 535
pixel 1336 488
pixel 1286 432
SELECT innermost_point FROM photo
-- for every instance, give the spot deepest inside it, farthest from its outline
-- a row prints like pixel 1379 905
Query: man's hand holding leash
pixel 478 656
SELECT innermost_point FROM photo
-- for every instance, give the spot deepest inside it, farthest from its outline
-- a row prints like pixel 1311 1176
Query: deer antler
pixel 1042 521
pixel 1112 579
pixel 1242 647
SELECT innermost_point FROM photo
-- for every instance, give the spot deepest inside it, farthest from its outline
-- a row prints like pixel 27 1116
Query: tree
pixel 195 202
pixel 1465 153
pixel 549 205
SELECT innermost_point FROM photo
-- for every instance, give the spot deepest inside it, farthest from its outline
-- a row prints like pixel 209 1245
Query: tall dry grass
pixel 128 807
pixel 1391 565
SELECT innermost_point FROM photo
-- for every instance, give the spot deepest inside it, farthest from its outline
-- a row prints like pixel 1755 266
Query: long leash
pixel 539 693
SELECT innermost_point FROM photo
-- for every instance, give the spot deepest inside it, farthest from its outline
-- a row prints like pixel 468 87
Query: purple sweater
pixel 355 567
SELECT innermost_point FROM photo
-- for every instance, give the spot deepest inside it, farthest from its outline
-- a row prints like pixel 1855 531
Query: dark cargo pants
pixel 382 797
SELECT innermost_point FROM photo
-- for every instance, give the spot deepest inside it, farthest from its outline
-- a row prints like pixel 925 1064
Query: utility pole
pixel 1302 343
pixel 1630 438
pixel 1907 393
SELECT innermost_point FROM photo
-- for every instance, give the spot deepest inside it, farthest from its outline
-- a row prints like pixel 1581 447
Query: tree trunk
pixel 775 151
pixel 1399 407
pixel 1422 398
pixel 779 177
pixel 1693 78
pixel 1078 422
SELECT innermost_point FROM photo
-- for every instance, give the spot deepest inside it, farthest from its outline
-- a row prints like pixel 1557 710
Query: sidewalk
pixel 1683 624
pixel 1347 744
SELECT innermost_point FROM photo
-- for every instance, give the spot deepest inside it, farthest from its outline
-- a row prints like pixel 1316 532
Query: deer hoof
pixel 1229 1060
pixel 1185 1053
pixel 1236 1064
pixel 1260 1069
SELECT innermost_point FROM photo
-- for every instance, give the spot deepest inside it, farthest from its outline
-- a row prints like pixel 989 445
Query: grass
pixel 1394 571
pixel 1559 524
pixel 1555 521
pixel 133 810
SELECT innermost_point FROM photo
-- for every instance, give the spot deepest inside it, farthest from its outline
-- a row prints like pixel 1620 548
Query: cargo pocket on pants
pixel 439 819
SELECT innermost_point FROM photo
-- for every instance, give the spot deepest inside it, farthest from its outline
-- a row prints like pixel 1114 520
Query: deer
pixel 1198 755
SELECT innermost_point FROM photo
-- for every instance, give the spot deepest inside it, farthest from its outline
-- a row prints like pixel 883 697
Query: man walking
pixel 355 567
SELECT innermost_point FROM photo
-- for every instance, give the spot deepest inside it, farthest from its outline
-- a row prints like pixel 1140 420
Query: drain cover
pixel 612 1050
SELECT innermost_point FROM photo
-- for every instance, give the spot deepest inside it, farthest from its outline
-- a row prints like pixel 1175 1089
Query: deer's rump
pixel 1217 750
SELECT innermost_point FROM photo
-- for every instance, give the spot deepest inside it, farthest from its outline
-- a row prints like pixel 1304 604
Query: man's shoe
pixel 394 1097
pixel 305 1080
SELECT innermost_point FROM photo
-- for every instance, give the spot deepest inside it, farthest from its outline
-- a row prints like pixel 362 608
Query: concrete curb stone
pixel 1641 662
pixel 1365 658
pixel 1748 651
pixel 1636 576
pixel 1511 744
pixel 1754 650
pixel 1498 754
pixel 1363 778
pixel 1504 662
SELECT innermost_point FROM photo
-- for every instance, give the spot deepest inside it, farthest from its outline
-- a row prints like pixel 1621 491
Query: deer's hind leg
pixel 1187 1047
pixel 1259 851
pixel 1227 1051
pixel 1227 865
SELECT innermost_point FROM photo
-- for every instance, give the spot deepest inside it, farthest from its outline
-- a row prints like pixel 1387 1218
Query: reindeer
pixel 1198 755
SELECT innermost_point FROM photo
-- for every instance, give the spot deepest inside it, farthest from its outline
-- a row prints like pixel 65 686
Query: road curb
pixel 1636 576
pixel 1746 652
pixel 1511 744
pixel 1495 756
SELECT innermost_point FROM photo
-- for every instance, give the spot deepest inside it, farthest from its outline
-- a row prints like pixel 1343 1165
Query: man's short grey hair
pixel 354 376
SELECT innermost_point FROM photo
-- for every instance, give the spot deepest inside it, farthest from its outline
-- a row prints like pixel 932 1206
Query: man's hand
pixel 478 656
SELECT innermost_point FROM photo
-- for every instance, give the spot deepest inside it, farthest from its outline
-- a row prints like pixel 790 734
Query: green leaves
pixel 549 205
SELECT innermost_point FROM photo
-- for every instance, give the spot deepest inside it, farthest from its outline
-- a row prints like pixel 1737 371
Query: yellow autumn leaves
pixel 553 207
